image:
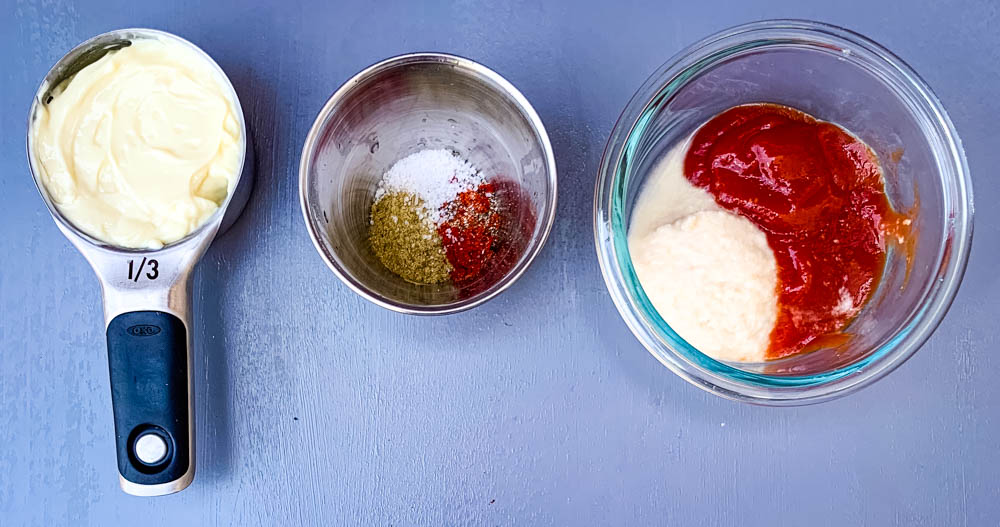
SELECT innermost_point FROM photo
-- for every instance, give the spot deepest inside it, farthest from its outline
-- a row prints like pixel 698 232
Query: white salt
pixel 435 176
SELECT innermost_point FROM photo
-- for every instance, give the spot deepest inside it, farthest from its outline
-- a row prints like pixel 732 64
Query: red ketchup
pixel 817 193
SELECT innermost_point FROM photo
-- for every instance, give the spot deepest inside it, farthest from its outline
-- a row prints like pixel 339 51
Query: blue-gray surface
pixel 315 407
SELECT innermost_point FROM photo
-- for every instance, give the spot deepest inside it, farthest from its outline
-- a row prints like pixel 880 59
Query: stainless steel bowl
pixel 395 108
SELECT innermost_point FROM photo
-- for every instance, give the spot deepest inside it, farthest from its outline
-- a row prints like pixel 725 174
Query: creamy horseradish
pixel 709 273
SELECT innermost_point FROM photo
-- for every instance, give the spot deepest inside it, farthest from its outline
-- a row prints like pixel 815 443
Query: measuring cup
pixel 147 305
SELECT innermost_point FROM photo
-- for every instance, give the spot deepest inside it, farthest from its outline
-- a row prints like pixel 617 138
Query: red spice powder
pixel 471 232
pixel 486 233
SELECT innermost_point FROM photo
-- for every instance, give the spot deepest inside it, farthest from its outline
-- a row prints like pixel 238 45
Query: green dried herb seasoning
pixel 405 240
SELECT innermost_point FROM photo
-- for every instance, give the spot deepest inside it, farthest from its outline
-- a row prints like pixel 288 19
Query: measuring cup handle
pixel 150 392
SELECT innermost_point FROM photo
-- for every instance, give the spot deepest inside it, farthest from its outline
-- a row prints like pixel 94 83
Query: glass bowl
pixel 834 75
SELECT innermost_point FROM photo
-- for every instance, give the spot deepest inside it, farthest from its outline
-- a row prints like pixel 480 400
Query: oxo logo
pixel 143 330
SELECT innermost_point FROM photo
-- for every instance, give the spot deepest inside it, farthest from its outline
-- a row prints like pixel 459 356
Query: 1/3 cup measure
pixel 147 307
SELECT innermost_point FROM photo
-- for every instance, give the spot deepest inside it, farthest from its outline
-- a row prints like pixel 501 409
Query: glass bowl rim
pixel 662 342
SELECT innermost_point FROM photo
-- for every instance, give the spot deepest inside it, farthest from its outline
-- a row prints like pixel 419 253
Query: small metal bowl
pixel 395 108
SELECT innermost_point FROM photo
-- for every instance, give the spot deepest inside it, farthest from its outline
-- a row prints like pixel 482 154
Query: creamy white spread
pixel 142 146
pixel 709 273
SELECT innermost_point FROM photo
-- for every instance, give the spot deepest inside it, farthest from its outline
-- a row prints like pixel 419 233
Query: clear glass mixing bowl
pixel 835 75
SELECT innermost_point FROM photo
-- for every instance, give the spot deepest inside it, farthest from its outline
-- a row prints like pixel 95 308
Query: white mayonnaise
pixel 140 147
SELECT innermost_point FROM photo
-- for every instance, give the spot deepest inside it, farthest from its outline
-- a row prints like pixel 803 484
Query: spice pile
pixel 435 218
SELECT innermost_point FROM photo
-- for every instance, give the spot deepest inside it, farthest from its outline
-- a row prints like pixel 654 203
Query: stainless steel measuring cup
pixel 147 305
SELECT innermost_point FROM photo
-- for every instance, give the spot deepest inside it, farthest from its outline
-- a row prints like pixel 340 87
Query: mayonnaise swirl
pixel 140 147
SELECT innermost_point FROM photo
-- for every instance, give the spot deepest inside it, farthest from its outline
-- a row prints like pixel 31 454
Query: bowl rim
pixel 722 379
pixel 480 71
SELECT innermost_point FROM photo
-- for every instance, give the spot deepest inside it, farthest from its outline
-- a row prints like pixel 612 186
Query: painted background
pixel 315 407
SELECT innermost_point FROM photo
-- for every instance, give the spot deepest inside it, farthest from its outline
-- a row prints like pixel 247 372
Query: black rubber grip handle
pixel 147 356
